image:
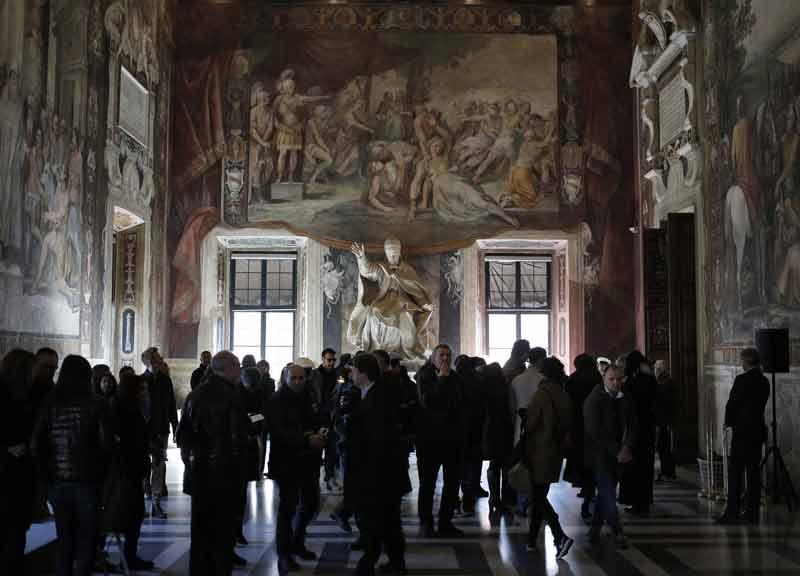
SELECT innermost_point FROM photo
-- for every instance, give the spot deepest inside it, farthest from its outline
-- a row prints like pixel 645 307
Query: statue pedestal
pixel 286 191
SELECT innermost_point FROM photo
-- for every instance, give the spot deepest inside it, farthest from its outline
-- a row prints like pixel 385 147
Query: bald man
pixel 217 439
pixel 294 462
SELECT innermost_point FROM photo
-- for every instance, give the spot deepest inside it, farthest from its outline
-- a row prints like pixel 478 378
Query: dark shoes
pixel 304 553
pixel 342 522
pixel 287 564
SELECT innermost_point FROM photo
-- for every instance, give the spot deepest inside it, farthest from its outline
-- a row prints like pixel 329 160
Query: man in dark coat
pixel 200 371
pixel 161 414
pixel 579 385
pixel 439 439
pixel 379 475
pixel 609 439
pixel 744 412
pixel 294 461
pixel 324 380
pixel 217 439
pixel 636 484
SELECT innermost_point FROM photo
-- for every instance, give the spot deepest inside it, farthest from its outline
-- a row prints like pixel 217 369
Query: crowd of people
pixel 96 449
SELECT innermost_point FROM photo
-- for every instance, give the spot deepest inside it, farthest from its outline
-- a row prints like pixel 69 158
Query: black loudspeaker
pixel 773 347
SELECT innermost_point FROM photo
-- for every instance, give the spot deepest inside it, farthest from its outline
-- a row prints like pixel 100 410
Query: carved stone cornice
pixel 226 24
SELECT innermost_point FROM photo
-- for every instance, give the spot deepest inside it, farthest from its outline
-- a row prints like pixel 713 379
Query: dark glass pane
pixel 273 266
pixel 273 298
pixel 254 281
pixel 286 282
pixel 273 281
pixel 286 266
pixel 285 298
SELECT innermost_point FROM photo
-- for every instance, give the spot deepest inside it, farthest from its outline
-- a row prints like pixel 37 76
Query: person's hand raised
pixel 358 250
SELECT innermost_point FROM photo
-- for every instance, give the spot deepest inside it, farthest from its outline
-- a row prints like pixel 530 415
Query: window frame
pixel 262 307
pixel 518 310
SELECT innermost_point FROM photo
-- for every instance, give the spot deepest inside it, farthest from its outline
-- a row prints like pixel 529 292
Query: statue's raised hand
pixel 358 250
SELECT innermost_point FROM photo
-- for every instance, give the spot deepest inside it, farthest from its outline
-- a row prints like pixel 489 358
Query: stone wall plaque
pixel 671 110
pixel 133 107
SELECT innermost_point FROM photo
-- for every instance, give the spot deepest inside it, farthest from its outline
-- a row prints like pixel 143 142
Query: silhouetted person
pixel 217 439
pixel 609 438
pixel 515 365
pixel 17 487
pixel 294 462
pixel 162 413
pixel 380 471
pixel 324 380
pixel 474 417
pixel 547 432
pixel 71 443
pixel 499 439
pixel 200 371
pixel 130 428
pixel 665 421
pixel 636 484
pixel 44 371
pixel 579 385
pixel 744 412
pixel 439 439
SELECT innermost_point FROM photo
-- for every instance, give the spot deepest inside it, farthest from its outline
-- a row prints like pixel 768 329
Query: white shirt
pixel 523 387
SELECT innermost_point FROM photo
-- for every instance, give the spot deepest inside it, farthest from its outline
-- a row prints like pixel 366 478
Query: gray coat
pixel 606 429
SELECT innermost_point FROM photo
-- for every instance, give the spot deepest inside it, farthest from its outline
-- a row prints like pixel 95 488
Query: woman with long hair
pixel 70 443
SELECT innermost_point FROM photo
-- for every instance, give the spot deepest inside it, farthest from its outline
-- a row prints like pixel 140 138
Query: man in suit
pixel 744 412
pixel 378 463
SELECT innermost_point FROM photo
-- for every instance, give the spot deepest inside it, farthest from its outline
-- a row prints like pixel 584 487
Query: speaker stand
pixel 780 475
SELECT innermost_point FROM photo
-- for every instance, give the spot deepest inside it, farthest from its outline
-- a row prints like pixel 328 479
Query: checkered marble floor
pixel 679 537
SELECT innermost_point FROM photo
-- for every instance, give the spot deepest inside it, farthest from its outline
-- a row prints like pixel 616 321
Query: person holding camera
pixel 294 462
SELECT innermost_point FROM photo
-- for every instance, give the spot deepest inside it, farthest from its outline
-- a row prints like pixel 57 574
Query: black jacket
pixel 197 376
pixel 378 462
pixel 292 420
pixel 579 385
pixel 744 411
pixel 217 430
pixel 71 440
pixel 498 441
pixel 441 400
pixel 163 410
pixel 133 437
pixel 609 423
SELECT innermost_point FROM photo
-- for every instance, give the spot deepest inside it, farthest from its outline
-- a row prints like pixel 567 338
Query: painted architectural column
pixel 310 314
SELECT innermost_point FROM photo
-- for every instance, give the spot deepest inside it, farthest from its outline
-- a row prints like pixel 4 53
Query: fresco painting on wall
pixel 41 232
pixel 411 134
pixel 752 108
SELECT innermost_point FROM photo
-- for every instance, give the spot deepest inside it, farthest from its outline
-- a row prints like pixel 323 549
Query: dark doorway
pixel 671 319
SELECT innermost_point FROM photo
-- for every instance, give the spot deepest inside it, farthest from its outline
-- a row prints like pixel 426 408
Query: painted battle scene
pixel 752 107
pixel 420 136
